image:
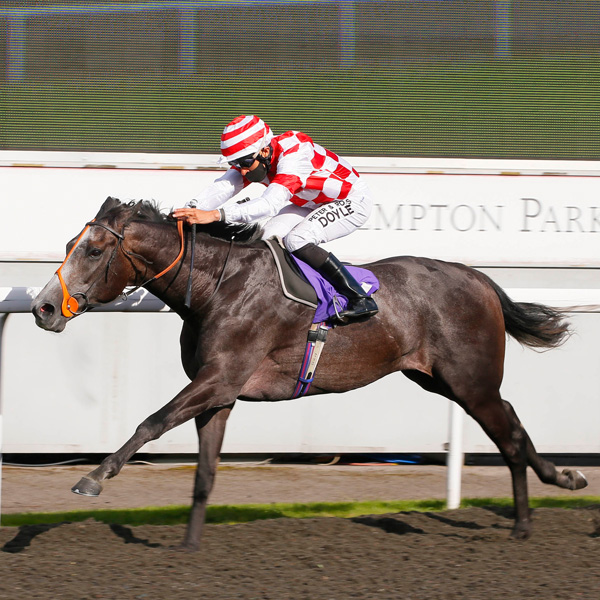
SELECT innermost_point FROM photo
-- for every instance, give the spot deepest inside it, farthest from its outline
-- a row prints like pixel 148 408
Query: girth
pixel 317 336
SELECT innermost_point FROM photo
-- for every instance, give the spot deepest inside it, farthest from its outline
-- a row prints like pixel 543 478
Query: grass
pixel 244 513
pixel 537 108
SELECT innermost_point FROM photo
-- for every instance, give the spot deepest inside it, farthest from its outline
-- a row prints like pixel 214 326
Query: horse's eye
pixel 94 252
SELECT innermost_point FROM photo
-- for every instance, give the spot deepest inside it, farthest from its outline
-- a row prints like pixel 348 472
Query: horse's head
pixel 96 270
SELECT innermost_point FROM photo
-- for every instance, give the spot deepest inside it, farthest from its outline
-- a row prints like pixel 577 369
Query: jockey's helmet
pixel 245 136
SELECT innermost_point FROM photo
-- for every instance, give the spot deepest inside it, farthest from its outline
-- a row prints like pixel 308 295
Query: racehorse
pixel 442 324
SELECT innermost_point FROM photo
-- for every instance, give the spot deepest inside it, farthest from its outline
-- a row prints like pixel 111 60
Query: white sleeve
pixel 221 190
pixel 274 198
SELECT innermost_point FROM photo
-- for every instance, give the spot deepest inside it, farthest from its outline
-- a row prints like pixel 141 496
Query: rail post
pixel 455 457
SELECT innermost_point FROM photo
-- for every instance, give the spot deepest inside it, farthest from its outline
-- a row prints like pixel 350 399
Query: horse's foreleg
pixel 193 400
pixel 544 469
pixel 211 429
pixel 91 484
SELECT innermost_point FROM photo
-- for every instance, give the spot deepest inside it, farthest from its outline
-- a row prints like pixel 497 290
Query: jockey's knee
pixel 295 240
pixel 312 255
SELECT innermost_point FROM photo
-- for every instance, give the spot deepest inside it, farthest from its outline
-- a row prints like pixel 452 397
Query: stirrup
pixel 362 308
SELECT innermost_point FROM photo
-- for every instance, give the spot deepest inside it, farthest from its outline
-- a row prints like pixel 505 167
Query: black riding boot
pixel 359 303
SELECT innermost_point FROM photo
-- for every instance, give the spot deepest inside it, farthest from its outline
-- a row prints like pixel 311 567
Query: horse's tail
pixel 531 324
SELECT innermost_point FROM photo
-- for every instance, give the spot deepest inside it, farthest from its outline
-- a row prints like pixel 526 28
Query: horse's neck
pixel 160 244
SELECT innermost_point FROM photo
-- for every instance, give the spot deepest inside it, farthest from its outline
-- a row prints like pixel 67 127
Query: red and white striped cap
pixel 244 135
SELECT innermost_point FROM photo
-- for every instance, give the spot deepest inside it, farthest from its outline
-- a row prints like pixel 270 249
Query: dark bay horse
pixel 442 324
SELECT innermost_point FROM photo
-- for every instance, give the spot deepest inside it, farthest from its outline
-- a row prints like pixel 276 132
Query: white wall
pixel 492 213
pixel 87 388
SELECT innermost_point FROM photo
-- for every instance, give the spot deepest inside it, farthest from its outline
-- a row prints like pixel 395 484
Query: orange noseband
pixel 69 306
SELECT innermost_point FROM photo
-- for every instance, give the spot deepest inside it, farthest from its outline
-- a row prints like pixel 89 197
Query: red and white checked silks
pixel 309 189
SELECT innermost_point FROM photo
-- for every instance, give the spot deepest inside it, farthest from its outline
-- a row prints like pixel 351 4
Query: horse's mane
pixel 149 210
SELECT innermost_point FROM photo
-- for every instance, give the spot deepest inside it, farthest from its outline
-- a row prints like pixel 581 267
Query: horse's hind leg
pixel 482 401
pixel 211 429
pixel 505 430
pixel 544 469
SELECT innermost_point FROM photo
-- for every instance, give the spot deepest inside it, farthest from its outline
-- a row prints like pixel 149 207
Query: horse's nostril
pixel 46 309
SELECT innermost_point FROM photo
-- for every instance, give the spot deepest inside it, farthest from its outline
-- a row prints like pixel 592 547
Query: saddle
pixel 303 284
pixel 295 285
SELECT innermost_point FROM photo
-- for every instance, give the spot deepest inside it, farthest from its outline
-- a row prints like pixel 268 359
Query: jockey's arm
pixel 292 172
pixel 222 189
pixel 273 199
pixel 203 209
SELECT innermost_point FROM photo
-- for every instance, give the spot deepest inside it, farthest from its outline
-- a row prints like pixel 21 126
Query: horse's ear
pixel 107 205
pixel 137 208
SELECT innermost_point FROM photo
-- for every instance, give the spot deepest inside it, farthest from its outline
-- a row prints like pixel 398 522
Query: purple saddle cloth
pixel 328 298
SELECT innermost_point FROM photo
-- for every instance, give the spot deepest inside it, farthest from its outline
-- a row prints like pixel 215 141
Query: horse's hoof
pixel 520 534
pixel 87 487
pixel 521 531
pixel 577 480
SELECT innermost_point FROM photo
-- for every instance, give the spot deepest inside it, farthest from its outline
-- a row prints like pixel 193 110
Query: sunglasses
pixel 245 162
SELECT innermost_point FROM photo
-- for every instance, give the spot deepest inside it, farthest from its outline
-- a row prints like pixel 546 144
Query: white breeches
pixel 299 225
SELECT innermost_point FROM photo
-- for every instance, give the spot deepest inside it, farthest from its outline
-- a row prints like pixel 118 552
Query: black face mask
pixel 258 174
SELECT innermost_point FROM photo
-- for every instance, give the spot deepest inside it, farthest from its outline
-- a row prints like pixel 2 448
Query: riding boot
pixel 359 303
pixel 326 264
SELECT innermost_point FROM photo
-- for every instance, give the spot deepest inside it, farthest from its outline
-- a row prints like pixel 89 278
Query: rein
pixel 164 271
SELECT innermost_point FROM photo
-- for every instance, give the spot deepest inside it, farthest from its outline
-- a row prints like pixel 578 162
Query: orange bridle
pixel 70 305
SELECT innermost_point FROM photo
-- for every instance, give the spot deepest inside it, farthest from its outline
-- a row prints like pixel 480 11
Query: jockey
pixel 311 196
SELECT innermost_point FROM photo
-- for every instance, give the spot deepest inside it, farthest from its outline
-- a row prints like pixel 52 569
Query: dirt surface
pixel 464 554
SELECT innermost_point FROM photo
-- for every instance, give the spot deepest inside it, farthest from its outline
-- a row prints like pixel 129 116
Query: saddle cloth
pixel 303 284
